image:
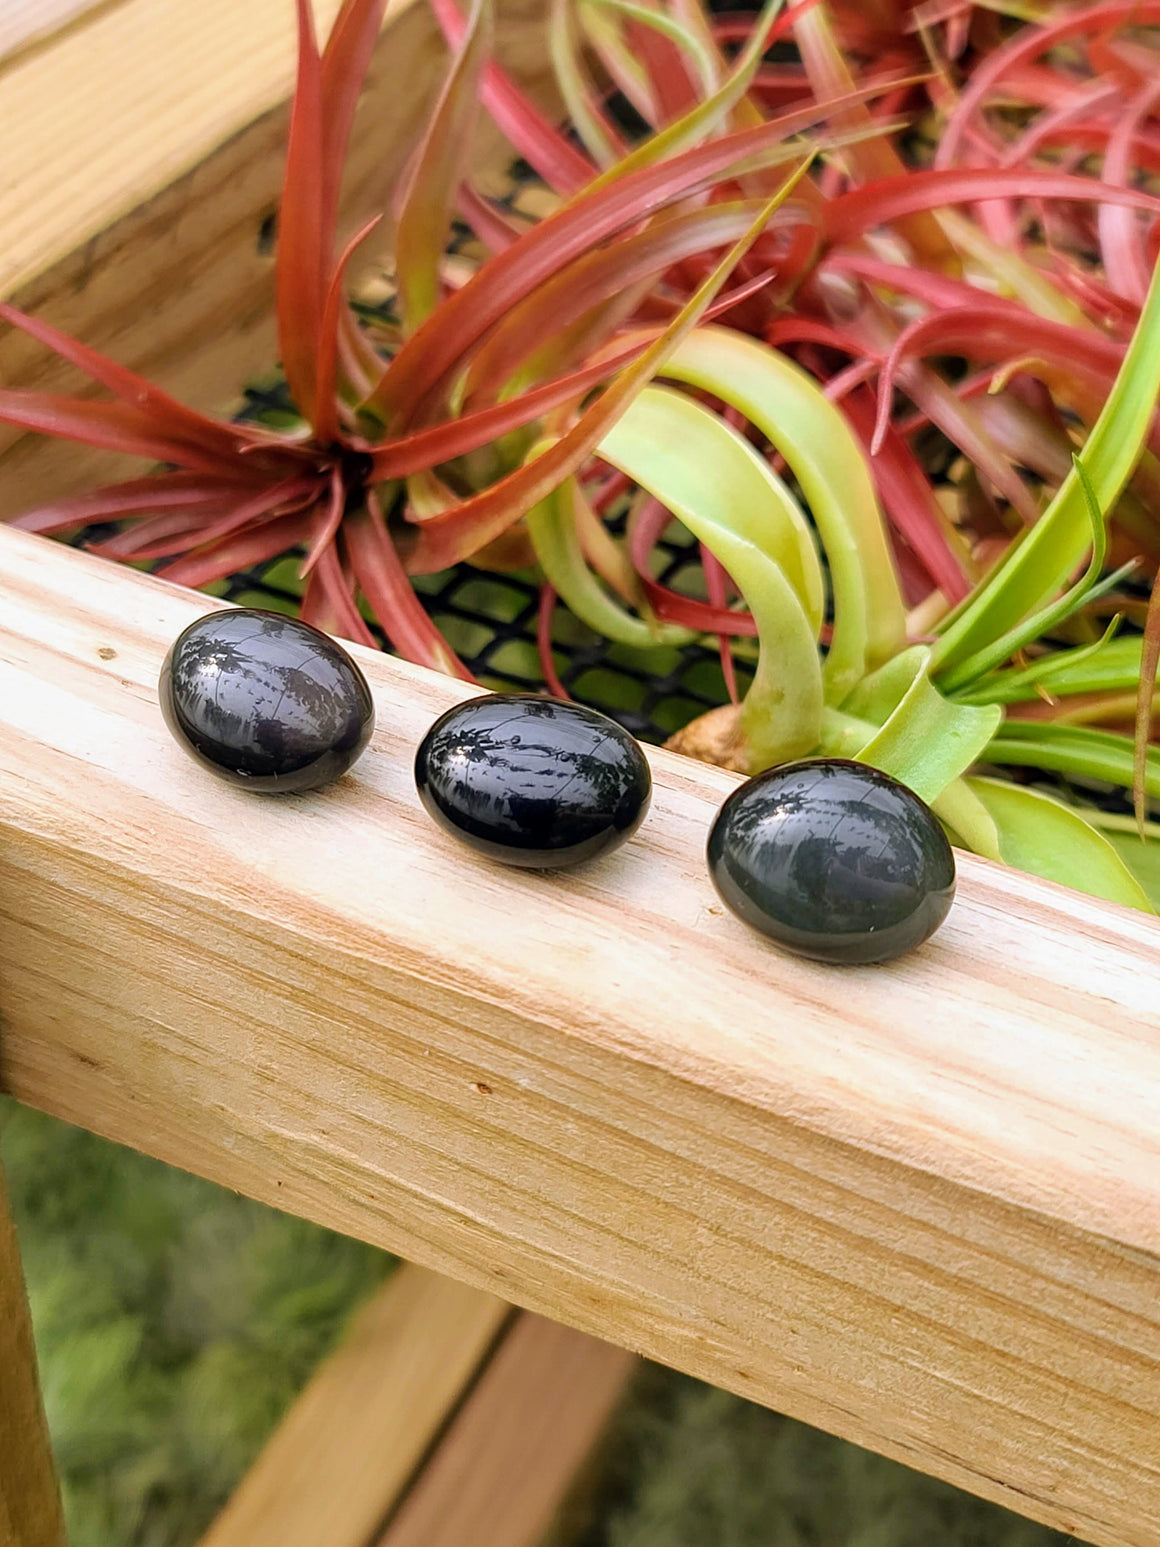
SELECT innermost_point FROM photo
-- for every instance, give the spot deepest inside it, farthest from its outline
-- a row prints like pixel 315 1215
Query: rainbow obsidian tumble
pixel 264 701
pixel 532 781
pixel 833 860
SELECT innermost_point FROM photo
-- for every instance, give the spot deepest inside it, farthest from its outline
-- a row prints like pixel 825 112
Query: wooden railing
pixel 918 1205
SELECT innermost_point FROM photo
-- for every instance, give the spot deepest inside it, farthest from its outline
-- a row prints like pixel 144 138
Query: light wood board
pixel 136 199
pixel 917 1205
pixel 30 1514
pixel 348 1448
pixel 506 1466
pixel 25 23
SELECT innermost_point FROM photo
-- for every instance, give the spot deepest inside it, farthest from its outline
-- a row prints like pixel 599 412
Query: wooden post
pixel 512 1456
pixel 346 1451
pixel 30 1514
pixel 443 1412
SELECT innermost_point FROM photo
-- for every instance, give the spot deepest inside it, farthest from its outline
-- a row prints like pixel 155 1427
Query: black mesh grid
pixel 490 621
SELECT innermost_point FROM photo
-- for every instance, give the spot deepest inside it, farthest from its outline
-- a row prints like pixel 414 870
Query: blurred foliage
pixel 691 1466
pixel 175 1322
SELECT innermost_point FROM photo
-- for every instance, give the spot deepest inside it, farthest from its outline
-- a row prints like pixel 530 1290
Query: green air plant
pixel 924 712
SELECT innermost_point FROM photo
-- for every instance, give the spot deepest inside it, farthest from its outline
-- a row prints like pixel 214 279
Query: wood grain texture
pixel 345 1452
pixel 917 1205
pixel 126 103
pixel 30 1514
pixel 506 1466
pixel 135 207
pixel 24 23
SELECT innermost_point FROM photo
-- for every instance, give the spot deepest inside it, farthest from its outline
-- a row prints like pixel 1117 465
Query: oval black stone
pixel 533 781
pixel 265 701
pixel 833 860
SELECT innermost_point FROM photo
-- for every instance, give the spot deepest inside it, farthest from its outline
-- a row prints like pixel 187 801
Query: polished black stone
pixel 532 781
pixel 265 701
pixel 834 860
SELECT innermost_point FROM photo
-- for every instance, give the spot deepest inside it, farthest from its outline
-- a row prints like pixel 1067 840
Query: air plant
pixel 513 411
pixel 373 483
pixel 883 289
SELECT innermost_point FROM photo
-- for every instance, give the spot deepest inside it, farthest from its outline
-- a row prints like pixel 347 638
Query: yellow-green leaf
pixel 1046 838
pixel 799 420
pixel 927 741
pixel 713 481
pixel 1041 562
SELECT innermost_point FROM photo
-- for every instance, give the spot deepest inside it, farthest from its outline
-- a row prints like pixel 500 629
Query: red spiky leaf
pixel 172 421
pixel 384 583
pixel 303 241
pixel 539 142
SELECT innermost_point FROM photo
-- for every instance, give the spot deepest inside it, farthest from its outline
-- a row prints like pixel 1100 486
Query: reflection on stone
pixel 834 860
pixel 533 781
pixel 265 701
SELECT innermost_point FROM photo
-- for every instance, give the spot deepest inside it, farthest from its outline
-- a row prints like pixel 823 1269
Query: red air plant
pixel 864 277
pixel 370 485
pixel 876 277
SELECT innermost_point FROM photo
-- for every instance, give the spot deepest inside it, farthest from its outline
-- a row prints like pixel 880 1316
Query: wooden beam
pixel 30 1513
pixel 138 197
pixel 506 1467
pixel 916 1205
pixel 345 1452
pixel 25 23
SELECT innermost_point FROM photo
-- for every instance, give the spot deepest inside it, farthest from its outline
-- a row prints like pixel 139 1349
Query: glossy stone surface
pixel 532 781
pixel 264 701
pixel 833 860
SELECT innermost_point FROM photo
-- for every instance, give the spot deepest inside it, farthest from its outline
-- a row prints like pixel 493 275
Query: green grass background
pixel 175 1323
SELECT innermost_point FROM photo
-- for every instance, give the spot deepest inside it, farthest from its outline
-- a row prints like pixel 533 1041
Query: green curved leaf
pixel 761 508
pixel 620 63
pixel 970 824
pixel 877 696
pixel 1046 838
pixel 552 528
pixel 1040 563
pixel 713 481
pixel 1088 586
pixel 689 42
pixel 913 751
pixel 928 741
pixel 1145 699
pixel 707 115
pixel 799 420
pixel 1108 666
pixel 1140 854
pixel 1074 749
pixel 575 87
